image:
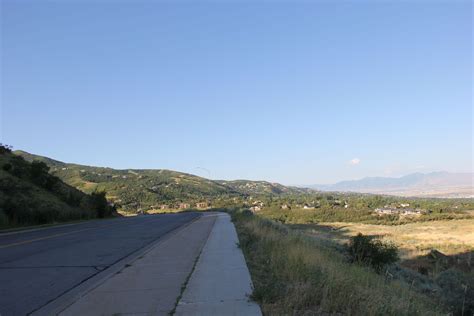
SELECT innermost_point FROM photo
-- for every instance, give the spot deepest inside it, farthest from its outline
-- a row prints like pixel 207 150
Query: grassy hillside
pixel 134 189
pixel 436 254
pixel 29 195
pixel 297 275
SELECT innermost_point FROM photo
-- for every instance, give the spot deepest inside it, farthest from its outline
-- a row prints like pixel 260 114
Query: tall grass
pixel 295 274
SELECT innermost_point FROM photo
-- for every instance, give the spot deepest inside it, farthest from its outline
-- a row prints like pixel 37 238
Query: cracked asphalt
pixel 39 266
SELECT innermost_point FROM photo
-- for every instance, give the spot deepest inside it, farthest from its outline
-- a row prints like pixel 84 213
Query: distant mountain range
pixel 434 184
pixel 131 189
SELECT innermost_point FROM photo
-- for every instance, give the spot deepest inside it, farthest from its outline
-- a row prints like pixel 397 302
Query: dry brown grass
pixel 450 237
pixel 89 186
pixel 297 275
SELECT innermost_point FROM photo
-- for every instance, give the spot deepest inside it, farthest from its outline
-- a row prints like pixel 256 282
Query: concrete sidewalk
pixel 151 284
pixel 220 283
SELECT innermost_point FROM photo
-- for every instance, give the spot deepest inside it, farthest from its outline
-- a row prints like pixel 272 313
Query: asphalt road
pixel 38 266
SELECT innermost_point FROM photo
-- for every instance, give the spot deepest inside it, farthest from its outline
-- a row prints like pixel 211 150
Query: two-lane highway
pixel 38 266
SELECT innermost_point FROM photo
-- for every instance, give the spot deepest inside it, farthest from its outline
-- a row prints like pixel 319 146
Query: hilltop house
pixel 256 208
pixel 183 206
pixel 258 203
pixel 202 205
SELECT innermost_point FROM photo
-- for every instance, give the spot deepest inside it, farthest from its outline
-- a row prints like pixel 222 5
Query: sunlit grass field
pixel 295 274
pixel 448 236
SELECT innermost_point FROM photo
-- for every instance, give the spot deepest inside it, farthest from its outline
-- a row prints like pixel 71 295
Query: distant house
pixel 386 211
pixel 183 206
pixel 308 207
pixel 404 204
pixel 285 207
pixel 164 206
pixel 399 211
pixel 202 205
pixel 411 211
pixel 258 203
pixel 255 208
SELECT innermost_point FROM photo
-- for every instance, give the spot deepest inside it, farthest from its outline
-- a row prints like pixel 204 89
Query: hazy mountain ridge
pixel 441 184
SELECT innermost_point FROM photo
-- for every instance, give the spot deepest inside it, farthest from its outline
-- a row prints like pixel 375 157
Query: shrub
pixel 371 251
pixel 100 204
pixel 457 291
pixel 4 221
pixel 50 182
pixel 71 198
pixel 247 212
pixel 17 210
pixel 38 169
pixel 39 174
pixel 19 167
pixel 7 167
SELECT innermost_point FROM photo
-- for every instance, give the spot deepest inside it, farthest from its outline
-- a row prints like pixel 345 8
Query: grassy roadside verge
pixel 294 274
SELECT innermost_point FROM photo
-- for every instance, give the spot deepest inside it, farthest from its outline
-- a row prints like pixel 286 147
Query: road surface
pixel 38 266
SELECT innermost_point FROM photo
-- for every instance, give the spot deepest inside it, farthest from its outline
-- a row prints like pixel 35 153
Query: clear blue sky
pixel 278 91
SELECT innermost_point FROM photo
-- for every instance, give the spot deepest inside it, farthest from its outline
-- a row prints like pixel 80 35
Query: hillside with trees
pixel 262 187
pixel 132 190
pixel 30 195
pixel 141 189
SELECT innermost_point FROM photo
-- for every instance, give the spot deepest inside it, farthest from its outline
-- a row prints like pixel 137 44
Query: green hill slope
pixel 261 187
pixel 29 195
pixel 134 189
